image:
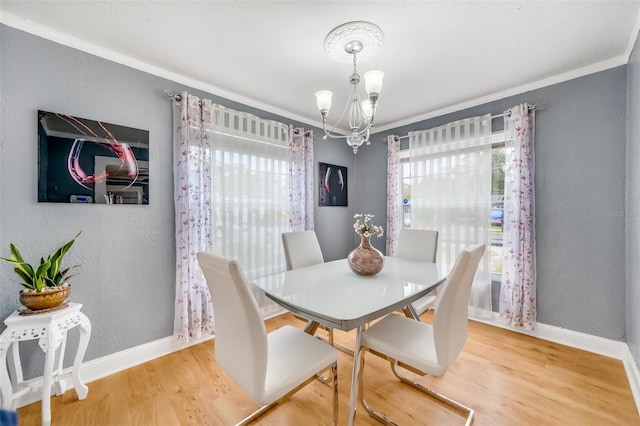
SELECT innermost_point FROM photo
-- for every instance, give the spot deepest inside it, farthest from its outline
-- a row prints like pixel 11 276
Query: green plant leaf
pixel 27 280
pixel 56 257
pixel 15 253
pixel 39 283
pixel 24 271
pixel 42 269
pixel 48 273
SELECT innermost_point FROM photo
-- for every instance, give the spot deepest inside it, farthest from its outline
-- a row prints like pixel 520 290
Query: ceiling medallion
pixel 369 35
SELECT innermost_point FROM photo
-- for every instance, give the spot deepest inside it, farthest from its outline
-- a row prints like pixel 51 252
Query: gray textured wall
pixel 333 224
pixel 127 253
pixel 371 182
pixel 580 174
pixel 126 281
pixel 633 203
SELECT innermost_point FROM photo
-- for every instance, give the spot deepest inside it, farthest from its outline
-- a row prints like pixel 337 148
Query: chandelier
pixel 346 43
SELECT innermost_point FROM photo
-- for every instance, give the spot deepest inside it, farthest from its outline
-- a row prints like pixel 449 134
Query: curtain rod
pixel 172 95
pixel 534 107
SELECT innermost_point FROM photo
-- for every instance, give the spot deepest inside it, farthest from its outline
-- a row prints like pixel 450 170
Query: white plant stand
pixel 50 329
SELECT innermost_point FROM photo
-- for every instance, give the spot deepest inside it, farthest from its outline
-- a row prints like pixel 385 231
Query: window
pixel 249 201
pixel 231 192
pixel 497 198
pixel 406 179
pixel 250 208
pixel 497 210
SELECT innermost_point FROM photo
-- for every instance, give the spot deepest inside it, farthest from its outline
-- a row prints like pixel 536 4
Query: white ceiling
pixel 438 56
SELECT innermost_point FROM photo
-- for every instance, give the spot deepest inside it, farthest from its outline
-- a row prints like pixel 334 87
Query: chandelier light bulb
pixel 373 81
pixel 323 98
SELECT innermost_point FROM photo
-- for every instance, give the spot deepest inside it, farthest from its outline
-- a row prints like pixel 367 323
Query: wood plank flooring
pixel 507 377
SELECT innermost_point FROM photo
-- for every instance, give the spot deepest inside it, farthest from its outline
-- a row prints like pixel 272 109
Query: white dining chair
pixel 425 348
pixel 419 244
pixel 301 248
pixel 267 367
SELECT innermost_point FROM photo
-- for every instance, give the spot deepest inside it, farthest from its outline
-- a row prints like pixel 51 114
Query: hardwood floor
pixel 507 377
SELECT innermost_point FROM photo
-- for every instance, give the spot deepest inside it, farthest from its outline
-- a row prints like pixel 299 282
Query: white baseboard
pixel 114 363
pixel 633 374
pixel 587 342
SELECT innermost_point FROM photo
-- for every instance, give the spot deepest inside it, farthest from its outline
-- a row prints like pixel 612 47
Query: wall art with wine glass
pixel 333 185
pixel 88 161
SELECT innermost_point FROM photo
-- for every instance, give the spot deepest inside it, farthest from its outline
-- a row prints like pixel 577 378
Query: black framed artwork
pixel 333 185
pixel 90 161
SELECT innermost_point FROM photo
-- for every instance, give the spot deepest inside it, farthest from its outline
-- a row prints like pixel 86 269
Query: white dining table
pixel 332 295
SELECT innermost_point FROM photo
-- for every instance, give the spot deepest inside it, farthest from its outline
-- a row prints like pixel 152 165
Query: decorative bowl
pixel 46 299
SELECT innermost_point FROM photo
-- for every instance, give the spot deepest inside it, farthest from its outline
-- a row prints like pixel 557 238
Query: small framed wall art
pixel 333 185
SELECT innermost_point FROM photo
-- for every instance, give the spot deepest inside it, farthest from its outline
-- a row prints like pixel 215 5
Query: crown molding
pixel 517 90
pixel 47 33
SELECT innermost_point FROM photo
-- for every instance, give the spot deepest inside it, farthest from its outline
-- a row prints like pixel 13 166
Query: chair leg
pixel 338 346
pixel 373 413
pixel 265 408
pixel 324 379
pixel 256 414
pixel 468 412
pixel 334 374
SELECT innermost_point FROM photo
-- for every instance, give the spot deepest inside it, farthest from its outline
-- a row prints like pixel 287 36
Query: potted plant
pixel 45 285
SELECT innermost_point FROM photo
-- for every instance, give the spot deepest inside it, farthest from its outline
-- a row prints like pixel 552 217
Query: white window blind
pixel 250 193
pixel 450 169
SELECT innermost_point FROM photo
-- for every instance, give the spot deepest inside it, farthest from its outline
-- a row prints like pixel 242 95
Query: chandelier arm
pixel 373 116
pixel 328 134
pixel 363 131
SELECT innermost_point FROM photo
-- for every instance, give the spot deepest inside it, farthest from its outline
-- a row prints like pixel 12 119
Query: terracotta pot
pixel 45 300
pixel 365 259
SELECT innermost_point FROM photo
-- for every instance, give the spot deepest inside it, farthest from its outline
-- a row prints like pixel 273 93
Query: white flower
pixel 364 227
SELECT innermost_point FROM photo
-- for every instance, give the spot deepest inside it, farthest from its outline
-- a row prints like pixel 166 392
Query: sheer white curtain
pixel 394 194
pixel 250 190
pixel 232 192
pixel 451 193
pixel 518 286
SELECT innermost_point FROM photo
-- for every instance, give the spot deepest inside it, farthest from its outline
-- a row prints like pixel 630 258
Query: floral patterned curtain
pixel 300 180
pixel 192 193
pixel 394 194
pixel 518 287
